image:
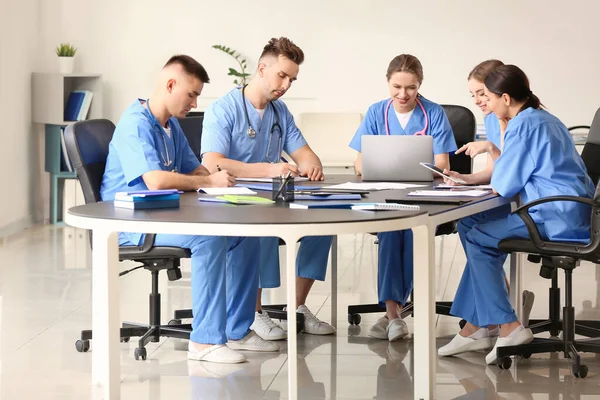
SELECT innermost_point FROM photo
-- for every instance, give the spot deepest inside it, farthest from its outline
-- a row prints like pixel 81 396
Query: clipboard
pixel 445 201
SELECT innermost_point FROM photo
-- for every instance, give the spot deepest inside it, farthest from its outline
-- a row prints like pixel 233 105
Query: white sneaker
pixel 461 344
pixel 379 330
pixel 396 329
pixel 252 342
pixel 313 325
pixel 528 299
pixel 519 336
pixel 266 328
pixel 218 353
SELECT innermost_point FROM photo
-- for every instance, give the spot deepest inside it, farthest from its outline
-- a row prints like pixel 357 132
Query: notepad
pixel 267 187
pixel 296 179
pixel 373 186
pixel 449 193
pixel 462 187
pixel 385 207
pixel 226 190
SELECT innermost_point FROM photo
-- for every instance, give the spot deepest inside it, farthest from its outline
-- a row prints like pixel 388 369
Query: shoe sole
pixel 476 345
pixel 257 349
pixel 398 336
pixel 524 337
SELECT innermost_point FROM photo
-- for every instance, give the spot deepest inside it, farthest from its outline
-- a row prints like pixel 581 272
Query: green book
pixel 237 199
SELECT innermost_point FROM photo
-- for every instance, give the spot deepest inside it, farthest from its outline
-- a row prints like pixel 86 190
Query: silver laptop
pixel 396 158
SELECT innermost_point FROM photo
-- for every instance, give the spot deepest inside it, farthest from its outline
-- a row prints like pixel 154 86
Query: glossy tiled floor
pixel 45 301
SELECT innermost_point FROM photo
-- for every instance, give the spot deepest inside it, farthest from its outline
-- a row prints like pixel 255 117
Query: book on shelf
pixel 78 105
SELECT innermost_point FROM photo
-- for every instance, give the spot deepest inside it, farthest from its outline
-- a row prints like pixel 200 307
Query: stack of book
pixel 78 105
pixel 145 199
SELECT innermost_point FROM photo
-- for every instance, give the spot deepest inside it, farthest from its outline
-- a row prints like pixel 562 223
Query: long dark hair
pixel 511 80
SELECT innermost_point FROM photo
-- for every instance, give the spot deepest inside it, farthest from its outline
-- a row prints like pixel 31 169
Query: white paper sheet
pixel 227 190
pixel 269 180
pixel 474 187
pixel 449 193
pixel 374 186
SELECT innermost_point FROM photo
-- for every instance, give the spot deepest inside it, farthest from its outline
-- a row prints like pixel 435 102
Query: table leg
pixel 292 341
pixel 334 279
pixel 424 316
pixel 106 363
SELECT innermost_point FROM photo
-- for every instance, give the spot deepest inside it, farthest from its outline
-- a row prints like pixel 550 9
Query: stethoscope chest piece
pixel 251 133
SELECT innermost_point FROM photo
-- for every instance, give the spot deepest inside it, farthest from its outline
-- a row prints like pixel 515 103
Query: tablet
pixel 440 172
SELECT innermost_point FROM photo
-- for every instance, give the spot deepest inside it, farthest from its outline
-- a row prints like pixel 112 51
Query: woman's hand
pixel 465 177
pixel 474 148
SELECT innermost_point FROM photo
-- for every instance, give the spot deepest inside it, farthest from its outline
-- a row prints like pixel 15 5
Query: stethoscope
pixel 419 133
pixel 166 161
pixel 252 133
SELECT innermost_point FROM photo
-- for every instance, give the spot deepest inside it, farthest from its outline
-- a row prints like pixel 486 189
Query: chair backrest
pixel 87 146
pixel 328 135
pixel 192 129
pixel 591 149
pixel 464 126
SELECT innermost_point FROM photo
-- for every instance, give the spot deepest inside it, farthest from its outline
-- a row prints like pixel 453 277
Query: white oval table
pixel 214 219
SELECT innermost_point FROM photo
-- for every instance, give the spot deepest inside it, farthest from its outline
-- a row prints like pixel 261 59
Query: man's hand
pixel 282 169
pixel 313 172
pixel 474 148
pixel 221 179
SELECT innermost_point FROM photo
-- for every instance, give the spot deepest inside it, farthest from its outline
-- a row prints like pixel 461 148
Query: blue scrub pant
pixel 395 266
pixel 224 284
pixel 482 298
pixel 311 261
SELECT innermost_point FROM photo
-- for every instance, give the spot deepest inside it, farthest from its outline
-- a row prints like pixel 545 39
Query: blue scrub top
pixel 540 160
pixel 439 126
pixel 137 147
pixel 492 129
pixel 225 130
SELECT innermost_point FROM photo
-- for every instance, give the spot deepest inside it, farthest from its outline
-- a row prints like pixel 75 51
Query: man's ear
pixel 170 85
pixel 261 69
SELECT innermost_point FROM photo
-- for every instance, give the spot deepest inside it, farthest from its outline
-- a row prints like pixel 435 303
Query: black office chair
pixel 192 129
pixel 567 256
pixel 87 146
pixel 464 127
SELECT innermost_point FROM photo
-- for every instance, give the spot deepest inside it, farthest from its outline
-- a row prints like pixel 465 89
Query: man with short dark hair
pixel 245 132
pixel 149 151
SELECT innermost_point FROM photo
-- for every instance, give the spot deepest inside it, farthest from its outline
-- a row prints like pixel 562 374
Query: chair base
pixel 146 333
pixel 354 311
pixel 570 349
pixel 275 311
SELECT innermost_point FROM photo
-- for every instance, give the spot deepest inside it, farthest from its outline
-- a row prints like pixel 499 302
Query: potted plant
pixel 240 76
pixel 66 57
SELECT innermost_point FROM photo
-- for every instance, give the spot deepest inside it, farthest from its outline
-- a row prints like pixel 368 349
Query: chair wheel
pixel 526 355
pixel 125 339
pixel 354 319
pixel 504 363
pixel 581 373
pixel 82 346
pixel 139 353
pixel 174 322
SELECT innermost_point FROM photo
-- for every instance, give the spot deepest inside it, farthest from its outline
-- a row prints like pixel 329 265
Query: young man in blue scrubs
pixel 406 112
pixel 538 160
pixel 245 132
pixel 149 151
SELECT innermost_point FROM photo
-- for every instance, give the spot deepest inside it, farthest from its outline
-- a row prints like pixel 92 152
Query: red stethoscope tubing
pixel 419 133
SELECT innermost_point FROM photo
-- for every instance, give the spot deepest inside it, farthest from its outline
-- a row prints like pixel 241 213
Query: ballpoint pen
pixel 284 184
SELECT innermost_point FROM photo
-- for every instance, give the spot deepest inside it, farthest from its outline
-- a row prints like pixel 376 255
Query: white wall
pixel 18 150
pixel 348 45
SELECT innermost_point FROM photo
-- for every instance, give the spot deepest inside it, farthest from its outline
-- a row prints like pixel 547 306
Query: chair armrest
pixel 578 127
pixel 532 228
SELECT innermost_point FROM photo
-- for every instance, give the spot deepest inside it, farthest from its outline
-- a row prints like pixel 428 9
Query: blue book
pixel 140 205
pixel 74 103
pixel 143 198
pixel 327 197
